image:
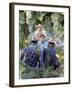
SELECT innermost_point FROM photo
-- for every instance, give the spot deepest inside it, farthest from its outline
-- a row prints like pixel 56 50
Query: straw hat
pixel 39 26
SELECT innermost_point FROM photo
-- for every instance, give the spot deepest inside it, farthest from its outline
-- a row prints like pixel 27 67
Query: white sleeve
pixel 35 34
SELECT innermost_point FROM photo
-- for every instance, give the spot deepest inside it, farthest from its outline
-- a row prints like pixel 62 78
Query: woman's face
pixel 39 29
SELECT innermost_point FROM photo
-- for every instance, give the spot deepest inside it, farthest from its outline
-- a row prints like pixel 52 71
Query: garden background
pixel 53 23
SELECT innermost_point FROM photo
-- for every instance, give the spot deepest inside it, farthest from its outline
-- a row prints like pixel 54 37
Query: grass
pixel 27 72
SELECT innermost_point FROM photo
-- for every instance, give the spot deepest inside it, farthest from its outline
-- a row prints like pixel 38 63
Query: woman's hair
pixel 42 35
pixel 39 26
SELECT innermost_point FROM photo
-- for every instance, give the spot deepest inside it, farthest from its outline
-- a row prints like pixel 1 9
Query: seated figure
pixel 37 52
pixel 39 30
pixel 53 59
pixel 42 43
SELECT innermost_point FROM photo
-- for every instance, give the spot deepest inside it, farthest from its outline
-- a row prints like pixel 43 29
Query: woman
pixel 37 52
pixel 39 31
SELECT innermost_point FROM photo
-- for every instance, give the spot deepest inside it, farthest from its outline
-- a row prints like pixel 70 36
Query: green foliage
pixel 53 23
pixel 27 72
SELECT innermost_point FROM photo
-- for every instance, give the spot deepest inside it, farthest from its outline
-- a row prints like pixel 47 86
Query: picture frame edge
pixel 11 44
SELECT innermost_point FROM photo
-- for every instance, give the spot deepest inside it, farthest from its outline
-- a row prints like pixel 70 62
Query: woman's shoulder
pixel 36 32
pixel 44 31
